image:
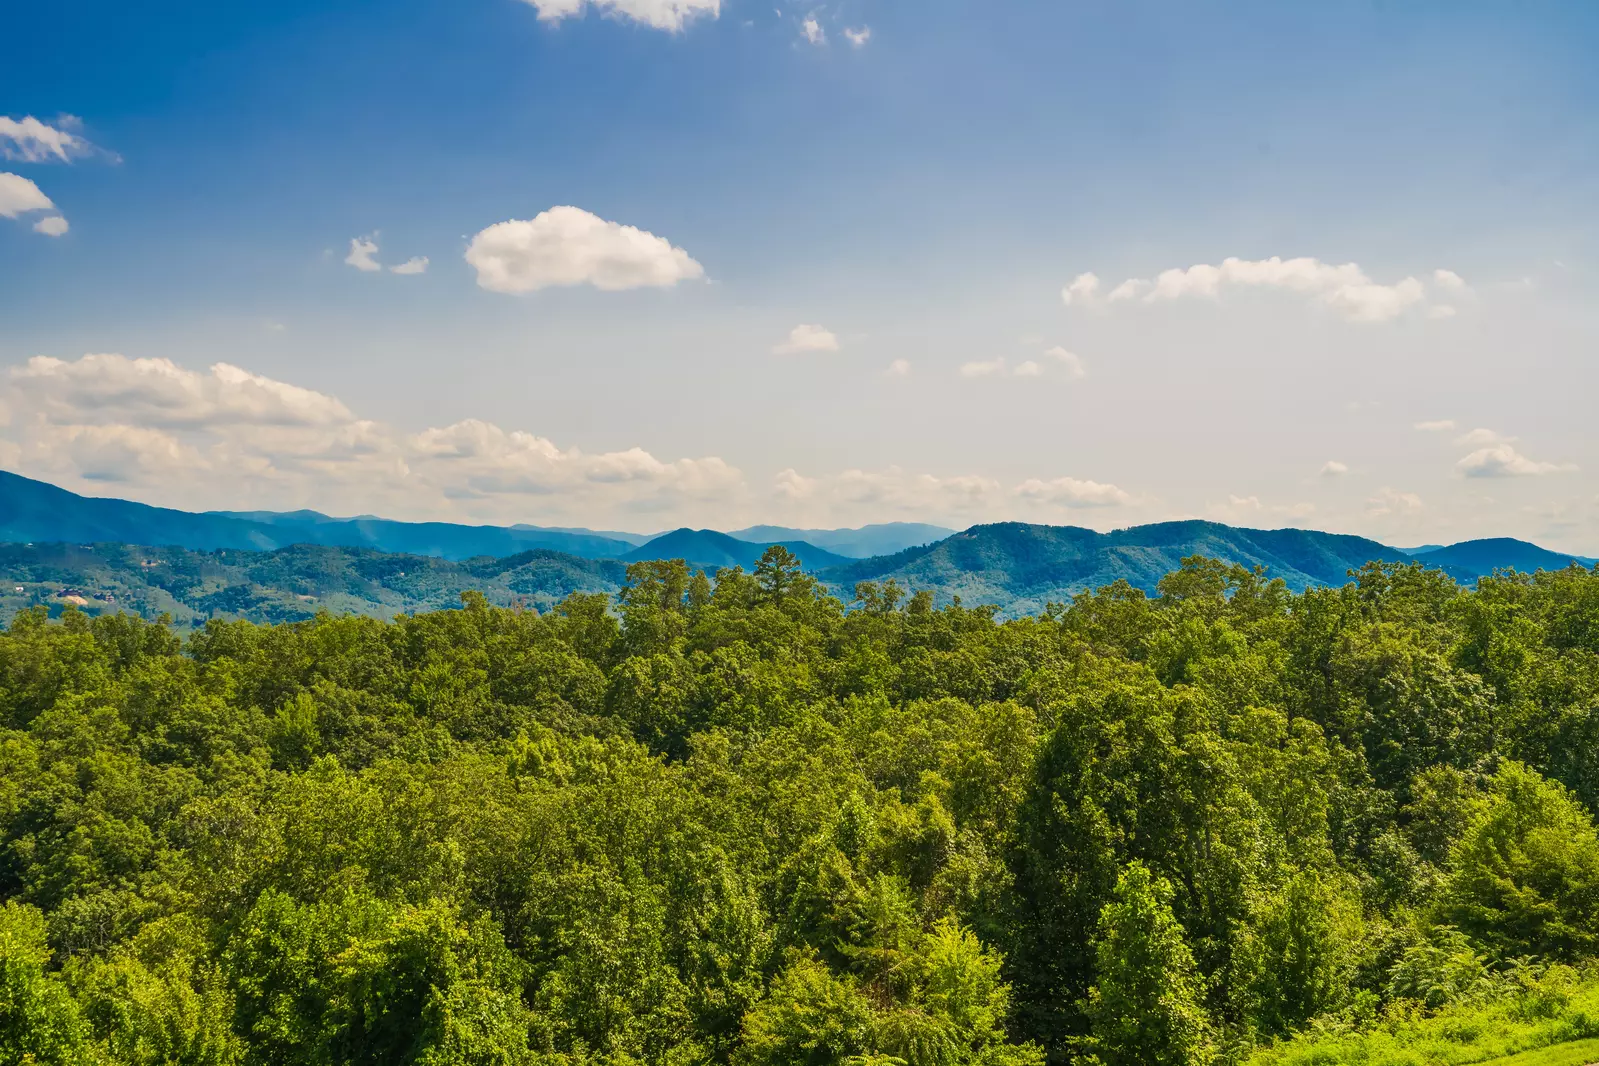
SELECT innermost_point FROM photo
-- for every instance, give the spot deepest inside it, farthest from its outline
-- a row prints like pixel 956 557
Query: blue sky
pixel 916 197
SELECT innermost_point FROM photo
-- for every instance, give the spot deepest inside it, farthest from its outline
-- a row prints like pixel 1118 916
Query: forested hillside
pixel 734 822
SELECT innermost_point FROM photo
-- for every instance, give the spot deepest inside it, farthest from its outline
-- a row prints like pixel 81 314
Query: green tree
pixel 1145 1005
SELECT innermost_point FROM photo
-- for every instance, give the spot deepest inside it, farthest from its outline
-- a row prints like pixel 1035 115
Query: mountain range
pixel 104 554
pixel 38 512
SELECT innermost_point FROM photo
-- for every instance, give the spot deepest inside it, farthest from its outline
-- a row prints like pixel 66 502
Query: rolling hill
pixel 1023 567
pixel 885 538
pixel 282 585
pixel 1476 558
pixel 711 550
pixel 35 511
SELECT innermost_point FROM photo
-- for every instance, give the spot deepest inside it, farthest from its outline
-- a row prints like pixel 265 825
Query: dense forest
pixel 734 819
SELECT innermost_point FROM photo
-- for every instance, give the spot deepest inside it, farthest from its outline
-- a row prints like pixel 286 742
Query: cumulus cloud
pixel 1334 468
pixel 1083 291
pixel 812 30
pixel 223 436
pixel 858 38
pixel 1503 460
pixel 1073 363
pixel 1028 369
pixel 18 196
pixel 226 434
pixel 363 253
pixel 53 226
pixel 807 338
pixel 1389 501
pixel 1448 279
pixel 1442 425
pixel 1073 493
pixel 670 15
pixel 31 141
pixel 899 368
pixel 570 246
pixel 417 264
pixel 1345 288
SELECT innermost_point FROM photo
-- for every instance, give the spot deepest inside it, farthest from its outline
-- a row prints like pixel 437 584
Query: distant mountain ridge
pixel 36 511
pixel 1023 567
pixel 304 558
pixel 707 549
pixel 884 538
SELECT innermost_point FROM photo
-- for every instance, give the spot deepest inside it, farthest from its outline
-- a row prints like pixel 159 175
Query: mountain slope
pixel 34 511
pixel 282 585
pixel 1480 557
pixel 708 549
pixel 1022 567
pixel 864 542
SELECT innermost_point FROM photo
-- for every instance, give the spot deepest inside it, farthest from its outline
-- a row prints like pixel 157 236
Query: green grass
pixel 1571 1053
pixel 1462 1035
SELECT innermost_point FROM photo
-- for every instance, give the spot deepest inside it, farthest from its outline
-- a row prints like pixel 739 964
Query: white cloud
pixel 1072 366
pixel 1390 501
pixel 362 253
pixel 1502 460
pixel 52 226
pixel 32 141
pixel 1442 425
pixel 807 338
pixel 1479 437
pixel 670 15
pixel 1082 292
pixel 226 436
pixel 984 369
pixel 158 393
pixel 1239 509
pixel 417 264
pixel 1076 368
pixel 812 30
pixel 1334 468
pixel 570 246
pixel 1073 493
pixel 1345 288
pixel 899 368
pixel 18 196
pixel 1448 279
pixel 858 38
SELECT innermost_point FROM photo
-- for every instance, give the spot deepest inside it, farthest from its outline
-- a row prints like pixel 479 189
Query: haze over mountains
pixel 59 548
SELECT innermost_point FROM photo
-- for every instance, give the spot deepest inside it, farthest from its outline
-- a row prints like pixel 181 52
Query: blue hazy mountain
pixel 1023 567
pixel 35 511
pixel 1476 558
pixel 710 550
pixel 884 538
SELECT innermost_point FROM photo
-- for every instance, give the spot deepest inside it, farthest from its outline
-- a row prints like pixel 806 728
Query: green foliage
pixel 1144 1008
pixel 730 819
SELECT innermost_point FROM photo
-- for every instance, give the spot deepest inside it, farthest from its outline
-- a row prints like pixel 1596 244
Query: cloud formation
pixel 363 253
pixel 417 264
pixel 31 141
pixel 807 338
pixel 1334 468
pixel 226 437
pixel 18 196
pixel 671 15
pixel 858 38
pixel 53 226
pixel 570 246
pixel 1345 288
pixel 812 31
